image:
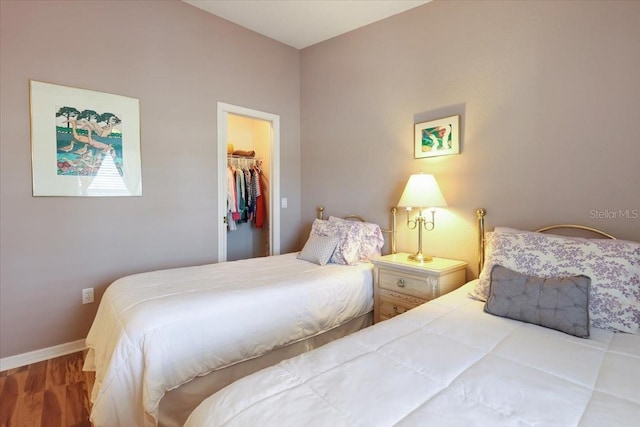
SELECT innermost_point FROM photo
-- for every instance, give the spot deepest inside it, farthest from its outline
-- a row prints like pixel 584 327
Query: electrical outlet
pixel 87 296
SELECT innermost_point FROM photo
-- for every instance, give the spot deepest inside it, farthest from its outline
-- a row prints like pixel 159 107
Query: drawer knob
pixel 395 309
pixel 401 282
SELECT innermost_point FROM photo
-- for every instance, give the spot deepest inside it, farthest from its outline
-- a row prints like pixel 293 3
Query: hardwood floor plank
pixel 57 372
pixel 8 400
pixel 20 376
pixel 29 410
pixel 51 410
pixel 77 409
pixel 36 378
pixel 58 395
pixel 17 370
pixel 74 372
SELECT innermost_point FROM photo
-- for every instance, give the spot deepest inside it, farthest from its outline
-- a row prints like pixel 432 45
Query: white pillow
pixel 319 249
pixel 612 265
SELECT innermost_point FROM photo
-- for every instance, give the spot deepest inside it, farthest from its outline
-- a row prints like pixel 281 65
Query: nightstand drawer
pixel 401 284
pixel 424 287
pixel 390 307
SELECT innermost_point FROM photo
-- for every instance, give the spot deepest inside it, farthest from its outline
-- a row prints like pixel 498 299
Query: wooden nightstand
pixel 400 284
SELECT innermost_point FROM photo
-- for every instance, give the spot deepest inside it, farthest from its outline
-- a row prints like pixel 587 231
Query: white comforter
pixel 445 363
pixel 158 330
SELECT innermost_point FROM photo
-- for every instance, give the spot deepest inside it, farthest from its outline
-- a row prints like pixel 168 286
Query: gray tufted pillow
pixel 556 303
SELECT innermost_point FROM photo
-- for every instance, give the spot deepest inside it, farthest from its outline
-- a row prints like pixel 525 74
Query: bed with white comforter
pixel 445 363
pixel 158 330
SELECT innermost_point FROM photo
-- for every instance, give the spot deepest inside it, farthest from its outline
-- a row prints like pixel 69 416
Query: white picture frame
pixel 84 143
pixel 437 137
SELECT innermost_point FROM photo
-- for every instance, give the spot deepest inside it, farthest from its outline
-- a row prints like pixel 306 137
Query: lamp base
pixel 420 257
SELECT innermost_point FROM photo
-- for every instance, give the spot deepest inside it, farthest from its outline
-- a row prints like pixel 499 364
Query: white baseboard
pixel 35 356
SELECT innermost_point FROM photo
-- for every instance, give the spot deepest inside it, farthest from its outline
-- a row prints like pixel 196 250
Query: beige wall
pixel 550 102
pixel 548 94
pixel 179 62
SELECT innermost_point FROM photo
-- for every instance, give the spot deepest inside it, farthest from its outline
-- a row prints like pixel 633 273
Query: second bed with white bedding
pixel 156 331
pixel 445 363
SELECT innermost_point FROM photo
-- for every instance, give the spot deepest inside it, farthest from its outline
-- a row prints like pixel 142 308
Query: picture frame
pixel 84 143
pixel 438 137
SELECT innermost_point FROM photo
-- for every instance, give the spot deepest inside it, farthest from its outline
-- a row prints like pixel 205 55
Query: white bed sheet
pixel 445 363
pixel 177 404
pixel 158 330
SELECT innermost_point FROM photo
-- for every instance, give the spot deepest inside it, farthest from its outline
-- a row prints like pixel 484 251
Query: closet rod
pixel 243 161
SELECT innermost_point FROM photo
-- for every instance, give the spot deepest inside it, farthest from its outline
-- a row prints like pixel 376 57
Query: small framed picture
pixel 437 137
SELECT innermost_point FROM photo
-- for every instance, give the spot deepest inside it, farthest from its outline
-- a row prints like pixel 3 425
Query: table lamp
pixel 421 192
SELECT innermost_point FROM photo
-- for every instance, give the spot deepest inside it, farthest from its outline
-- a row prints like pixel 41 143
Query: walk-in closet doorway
pixel 248 130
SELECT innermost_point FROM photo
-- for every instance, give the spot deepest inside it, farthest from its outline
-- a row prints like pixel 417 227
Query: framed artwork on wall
pixel 437 137
pixel 84 143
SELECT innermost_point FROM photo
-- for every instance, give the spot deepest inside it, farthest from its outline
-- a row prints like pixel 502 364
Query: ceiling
pixel 302 23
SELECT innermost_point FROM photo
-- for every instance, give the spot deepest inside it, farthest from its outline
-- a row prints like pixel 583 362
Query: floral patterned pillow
pixel 612 265
pixel 372 241
pixel 347 250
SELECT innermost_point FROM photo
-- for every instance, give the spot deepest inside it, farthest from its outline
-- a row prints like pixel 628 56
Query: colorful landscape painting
pixel 85 138
pixel 436 138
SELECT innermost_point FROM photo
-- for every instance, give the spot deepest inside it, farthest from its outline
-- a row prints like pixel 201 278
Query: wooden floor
pixel 53 393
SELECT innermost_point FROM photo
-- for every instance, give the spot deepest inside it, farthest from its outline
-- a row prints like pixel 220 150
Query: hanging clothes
pixel 255 190
pixel 241 195
pixel 246 193
pixel 260 204
pixel 250 205
pixel 232 203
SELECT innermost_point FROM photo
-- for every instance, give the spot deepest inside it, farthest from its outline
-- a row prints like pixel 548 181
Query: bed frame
pixel 391 231
pixel 481 213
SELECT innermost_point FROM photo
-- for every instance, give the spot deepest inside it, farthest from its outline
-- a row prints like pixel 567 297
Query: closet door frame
pixel 274 175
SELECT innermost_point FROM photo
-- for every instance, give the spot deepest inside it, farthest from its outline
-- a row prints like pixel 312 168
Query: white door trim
pixel 273 205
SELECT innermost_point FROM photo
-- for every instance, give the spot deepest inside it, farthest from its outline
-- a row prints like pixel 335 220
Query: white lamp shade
pixel 422 191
